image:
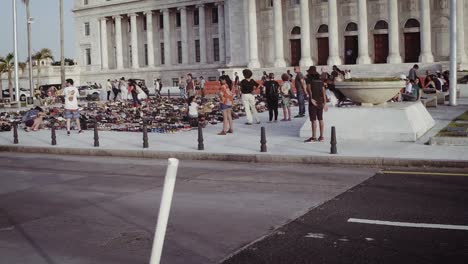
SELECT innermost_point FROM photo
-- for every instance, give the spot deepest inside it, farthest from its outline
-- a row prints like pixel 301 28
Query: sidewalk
pixel 283 144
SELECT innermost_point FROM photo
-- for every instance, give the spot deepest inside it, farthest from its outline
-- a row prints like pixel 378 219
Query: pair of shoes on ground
pixel 79 132
pixel 248 123
pixel 312 140
pixel 298 116
pixel 222 133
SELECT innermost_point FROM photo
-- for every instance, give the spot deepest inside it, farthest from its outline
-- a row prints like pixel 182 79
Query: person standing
pixel 317 105
pixel 248 85
pixel 157 90
pixel 286 97
pixel 272 96
pixel 132 89
pixel 182 87
pixel 123 89
pixel 115 89
pixel 71 105
pixel 202 86
pixel 190 86
pixel 236 84
pixel 412 75
pixel 300 90
pixel 108 89
pixel 226 97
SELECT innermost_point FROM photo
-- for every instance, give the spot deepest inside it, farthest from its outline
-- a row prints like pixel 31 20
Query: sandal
pixel 321 139
pixel 222 133
pixel 230 131
pixel 310 140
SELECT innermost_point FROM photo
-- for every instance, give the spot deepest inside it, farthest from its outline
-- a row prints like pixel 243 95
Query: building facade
pixel 165 39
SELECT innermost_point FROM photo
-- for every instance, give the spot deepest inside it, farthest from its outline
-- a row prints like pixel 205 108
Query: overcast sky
pixel 45 30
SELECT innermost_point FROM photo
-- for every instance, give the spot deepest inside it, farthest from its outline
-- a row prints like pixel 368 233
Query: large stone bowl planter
pixel 374 92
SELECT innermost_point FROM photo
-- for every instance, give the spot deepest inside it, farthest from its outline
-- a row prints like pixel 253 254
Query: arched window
pixel 381 25
pixel 351 27
pixel 296 31
pixel 323 29
pixel 412 23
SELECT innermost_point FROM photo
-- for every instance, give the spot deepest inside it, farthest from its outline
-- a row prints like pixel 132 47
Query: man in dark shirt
pixel 248 99
pixel 271 95
pixel 412 75
pixel 317 103
pixel 300 85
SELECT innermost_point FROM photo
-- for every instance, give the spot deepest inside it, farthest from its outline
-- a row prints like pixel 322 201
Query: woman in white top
pixel 123 86
pixel 193 108
pixel 286 97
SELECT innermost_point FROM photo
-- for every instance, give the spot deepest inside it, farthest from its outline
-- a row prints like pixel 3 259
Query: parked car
pixel 91 92
pixel 24 93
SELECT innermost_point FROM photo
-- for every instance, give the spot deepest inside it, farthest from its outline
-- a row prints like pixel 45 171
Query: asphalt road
pixel 390 218
pixel 67 210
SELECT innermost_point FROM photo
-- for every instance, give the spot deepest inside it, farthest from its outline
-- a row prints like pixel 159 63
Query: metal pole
pixel 15 133
pixel 333 149
pixel 62 52
pixel 164 209
pixel 263 147
pixel 453 53
pixel 201 146
pixel 28 16
pixel 15 45
pixel 96 135
pixel 145 134
pixel 53 135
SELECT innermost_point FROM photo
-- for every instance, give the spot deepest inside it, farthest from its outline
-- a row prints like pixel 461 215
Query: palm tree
pixel 43 54
pixel 8 66
pixel 22 66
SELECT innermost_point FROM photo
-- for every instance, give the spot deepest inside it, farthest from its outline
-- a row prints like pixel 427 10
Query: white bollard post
pixel 165 207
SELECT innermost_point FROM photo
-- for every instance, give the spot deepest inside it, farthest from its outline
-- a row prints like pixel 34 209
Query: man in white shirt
pixel 71 105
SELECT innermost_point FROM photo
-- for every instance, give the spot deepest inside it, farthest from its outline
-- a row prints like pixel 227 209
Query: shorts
pixel 225 107
pixel 29 123
pixel 315 113
pixel 286 101
pixel 69 114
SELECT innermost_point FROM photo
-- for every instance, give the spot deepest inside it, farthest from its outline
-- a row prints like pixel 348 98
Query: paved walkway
pixel 282 141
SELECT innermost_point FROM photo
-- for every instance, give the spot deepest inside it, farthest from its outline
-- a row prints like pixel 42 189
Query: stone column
pixel 393 33
pixel 461 52
pixel 333 37
pixel 202 33
pixel 149 37
pixel 278 34
pixel 104 53
pixel 363 38
pixel 167 37
pixel 133 26
pixel 306 59
pixel 253 46
pixel 184 34
pixel 425 17
pixel 118 41
pixel 222 50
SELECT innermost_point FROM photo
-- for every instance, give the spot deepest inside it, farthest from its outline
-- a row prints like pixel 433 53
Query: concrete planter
pixel 370 92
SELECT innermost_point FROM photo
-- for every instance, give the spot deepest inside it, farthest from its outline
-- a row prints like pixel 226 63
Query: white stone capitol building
pixel 165 39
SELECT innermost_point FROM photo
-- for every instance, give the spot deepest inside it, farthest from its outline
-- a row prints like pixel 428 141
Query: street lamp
pixel 15 45
pixel 453 53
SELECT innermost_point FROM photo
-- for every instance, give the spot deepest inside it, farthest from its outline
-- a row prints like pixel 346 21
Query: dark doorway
pixel 295 52
pixel 351 49
pixel 322 49
pixel 412 46
pixel 380 48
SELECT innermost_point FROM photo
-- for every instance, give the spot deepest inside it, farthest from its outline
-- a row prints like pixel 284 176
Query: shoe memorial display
pixel 164 115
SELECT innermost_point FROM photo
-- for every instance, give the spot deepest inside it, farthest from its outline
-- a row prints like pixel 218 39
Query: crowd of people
pixel 313 89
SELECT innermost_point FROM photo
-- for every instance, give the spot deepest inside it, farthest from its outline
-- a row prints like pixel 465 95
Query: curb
pixel 255 158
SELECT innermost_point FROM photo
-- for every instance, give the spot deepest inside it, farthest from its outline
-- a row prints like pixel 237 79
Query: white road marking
pixel 315 235
pixel 369 239
pixel 427 173
pixel 405 224
pixel 7 228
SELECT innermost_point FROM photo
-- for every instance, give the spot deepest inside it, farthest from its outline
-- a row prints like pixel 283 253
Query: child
pixel 193 111
pixel 226 98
